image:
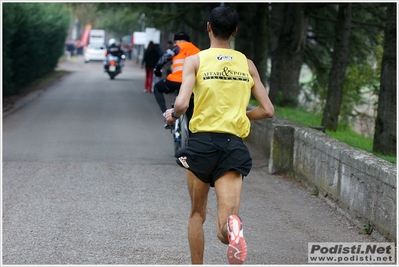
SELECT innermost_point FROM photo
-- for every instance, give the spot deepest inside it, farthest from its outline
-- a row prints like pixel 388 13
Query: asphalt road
pixel 89 178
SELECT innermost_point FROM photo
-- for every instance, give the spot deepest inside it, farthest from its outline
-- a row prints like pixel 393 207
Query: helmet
pixel 111 41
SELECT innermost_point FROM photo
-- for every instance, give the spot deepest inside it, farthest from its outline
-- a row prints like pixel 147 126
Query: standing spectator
pixel 130 50
pixel 125 48
pixel 159 49
pixel 150 59
pixel 68 50
pixel 71 48
pixel 156 79
pixel 79 47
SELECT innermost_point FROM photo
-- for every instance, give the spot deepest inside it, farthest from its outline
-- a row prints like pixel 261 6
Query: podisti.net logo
pixel 349 252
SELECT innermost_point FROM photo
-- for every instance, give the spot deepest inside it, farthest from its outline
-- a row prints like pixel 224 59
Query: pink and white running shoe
pixel 237 249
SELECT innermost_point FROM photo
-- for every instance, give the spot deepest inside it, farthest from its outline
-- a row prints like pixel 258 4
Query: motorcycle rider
pixel 114 49
pixel 182 48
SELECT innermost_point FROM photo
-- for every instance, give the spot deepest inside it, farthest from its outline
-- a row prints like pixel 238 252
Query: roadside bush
pixel 33 41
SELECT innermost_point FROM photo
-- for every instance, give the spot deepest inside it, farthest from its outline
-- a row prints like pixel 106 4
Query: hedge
pixel 33 41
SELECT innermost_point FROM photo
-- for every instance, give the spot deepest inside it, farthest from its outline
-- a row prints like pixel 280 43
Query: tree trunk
pixel 337 72
pixel 289 53
pixel 261 40
pixel 244 41
pixel 385 123
pixel 276 24
pixel 252 35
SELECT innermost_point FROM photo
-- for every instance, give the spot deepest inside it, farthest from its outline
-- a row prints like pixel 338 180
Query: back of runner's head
pixel 223 21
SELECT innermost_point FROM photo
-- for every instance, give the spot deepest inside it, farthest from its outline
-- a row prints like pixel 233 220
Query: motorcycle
pixel 113 65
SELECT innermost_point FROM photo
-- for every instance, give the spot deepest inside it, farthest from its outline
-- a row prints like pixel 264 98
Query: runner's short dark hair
pixel 223 21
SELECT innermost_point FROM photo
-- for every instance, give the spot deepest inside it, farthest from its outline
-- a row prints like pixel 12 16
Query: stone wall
pixel 358 184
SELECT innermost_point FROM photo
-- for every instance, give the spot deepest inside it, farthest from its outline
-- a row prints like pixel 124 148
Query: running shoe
pixel 237 249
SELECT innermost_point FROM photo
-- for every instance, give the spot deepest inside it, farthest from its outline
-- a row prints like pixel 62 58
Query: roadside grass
pixel 343 134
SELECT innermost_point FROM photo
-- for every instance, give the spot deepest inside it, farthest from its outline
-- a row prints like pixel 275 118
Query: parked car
pixel 95 52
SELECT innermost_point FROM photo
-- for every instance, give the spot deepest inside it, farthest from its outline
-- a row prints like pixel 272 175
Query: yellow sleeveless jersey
pixel 221 93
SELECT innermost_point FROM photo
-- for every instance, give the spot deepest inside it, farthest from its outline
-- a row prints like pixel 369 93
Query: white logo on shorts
pixel 184 162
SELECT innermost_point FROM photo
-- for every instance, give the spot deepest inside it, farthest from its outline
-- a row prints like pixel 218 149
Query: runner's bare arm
pixel 265 108
pixel 182 101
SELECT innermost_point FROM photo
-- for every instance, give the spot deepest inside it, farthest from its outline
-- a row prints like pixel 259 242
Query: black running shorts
pixel 210 155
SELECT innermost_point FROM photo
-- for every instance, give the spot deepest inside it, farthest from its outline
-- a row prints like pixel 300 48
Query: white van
pixel 97 36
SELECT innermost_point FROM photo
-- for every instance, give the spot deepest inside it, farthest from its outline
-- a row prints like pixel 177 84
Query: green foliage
pixel 320 44
pixel 122 21
pixel 316 191
pixel 368 228
pixel 35 41
pixel 362 75
pixel 84 12
pixel 123 18
pixel 8 32
pixel 362 82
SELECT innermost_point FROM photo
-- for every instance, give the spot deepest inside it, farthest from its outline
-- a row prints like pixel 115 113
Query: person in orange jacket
pixel 177 54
